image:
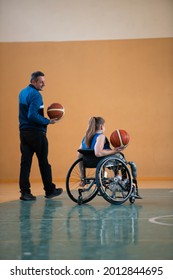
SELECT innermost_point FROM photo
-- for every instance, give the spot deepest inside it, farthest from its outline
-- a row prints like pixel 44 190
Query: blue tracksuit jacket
pixel 31 110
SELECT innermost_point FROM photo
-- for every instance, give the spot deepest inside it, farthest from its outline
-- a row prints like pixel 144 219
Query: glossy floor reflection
pixel 59 229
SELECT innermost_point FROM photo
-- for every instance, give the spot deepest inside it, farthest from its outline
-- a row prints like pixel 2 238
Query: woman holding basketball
pixel 96 140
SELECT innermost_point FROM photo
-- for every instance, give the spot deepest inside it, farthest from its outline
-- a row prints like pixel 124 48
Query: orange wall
pixel 128 82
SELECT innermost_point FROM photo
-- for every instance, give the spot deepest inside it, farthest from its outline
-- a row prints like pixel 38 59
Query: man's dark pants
pixel 34 142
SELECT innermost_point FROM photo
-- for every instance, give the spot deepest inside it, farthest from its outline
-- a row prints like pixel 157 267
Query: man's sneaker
pixel 54 193
pixel 27 197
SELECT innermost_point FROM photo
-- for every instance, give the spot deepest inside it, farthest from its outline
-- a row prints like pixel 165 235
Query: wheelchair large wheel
pixel 114 180
pixel 81 191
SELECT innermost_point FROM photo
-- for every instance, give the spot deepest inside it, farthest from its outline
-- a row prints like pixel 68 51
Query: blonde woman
pixel 95 139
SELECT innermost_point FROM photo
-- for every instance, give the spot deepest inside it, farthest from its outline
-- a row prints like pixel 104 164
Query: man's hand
pixel 53 121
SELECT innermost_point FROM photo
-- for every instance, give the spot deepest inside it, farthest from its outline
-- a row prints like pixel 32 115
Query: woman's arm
pixel 99 148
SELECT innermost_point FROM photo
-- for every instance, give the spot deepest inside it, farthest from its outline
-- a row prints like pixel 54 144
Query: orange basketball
pixel 55 111
pixel 119 138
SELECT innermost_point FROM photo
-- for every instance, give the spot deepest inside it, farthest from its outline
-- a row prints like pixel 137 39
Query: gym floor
pixel 60 229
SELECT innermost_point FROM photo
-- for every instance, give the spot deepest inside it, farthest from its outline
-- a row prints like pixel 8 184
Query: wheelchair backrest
pixel 89 158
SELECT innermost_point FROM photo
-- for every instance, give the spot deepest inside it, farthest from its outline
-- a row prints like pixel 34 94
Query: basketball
pixel 55 111
pixel 119 138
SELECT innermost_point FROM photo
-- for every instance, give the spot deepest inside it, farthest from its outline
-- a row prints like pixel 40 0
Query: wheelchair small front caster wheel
pixel 80 200
pixel 132 199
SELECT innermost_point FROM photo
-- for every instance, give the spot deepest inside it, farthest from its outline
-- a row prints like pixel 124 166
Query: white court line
pixel 154 220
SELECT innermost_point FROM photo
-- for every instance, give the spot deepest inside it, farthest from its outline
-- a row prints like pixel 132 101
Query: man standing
pixel 33 127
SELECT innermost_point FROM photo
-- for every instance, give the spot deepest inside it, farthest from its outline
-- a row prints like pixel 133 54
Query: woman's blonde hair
pixel 93 125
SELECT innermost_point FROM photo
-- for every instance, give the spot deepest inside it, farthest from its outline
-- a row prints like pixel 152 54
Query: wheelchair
pixel 111 177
